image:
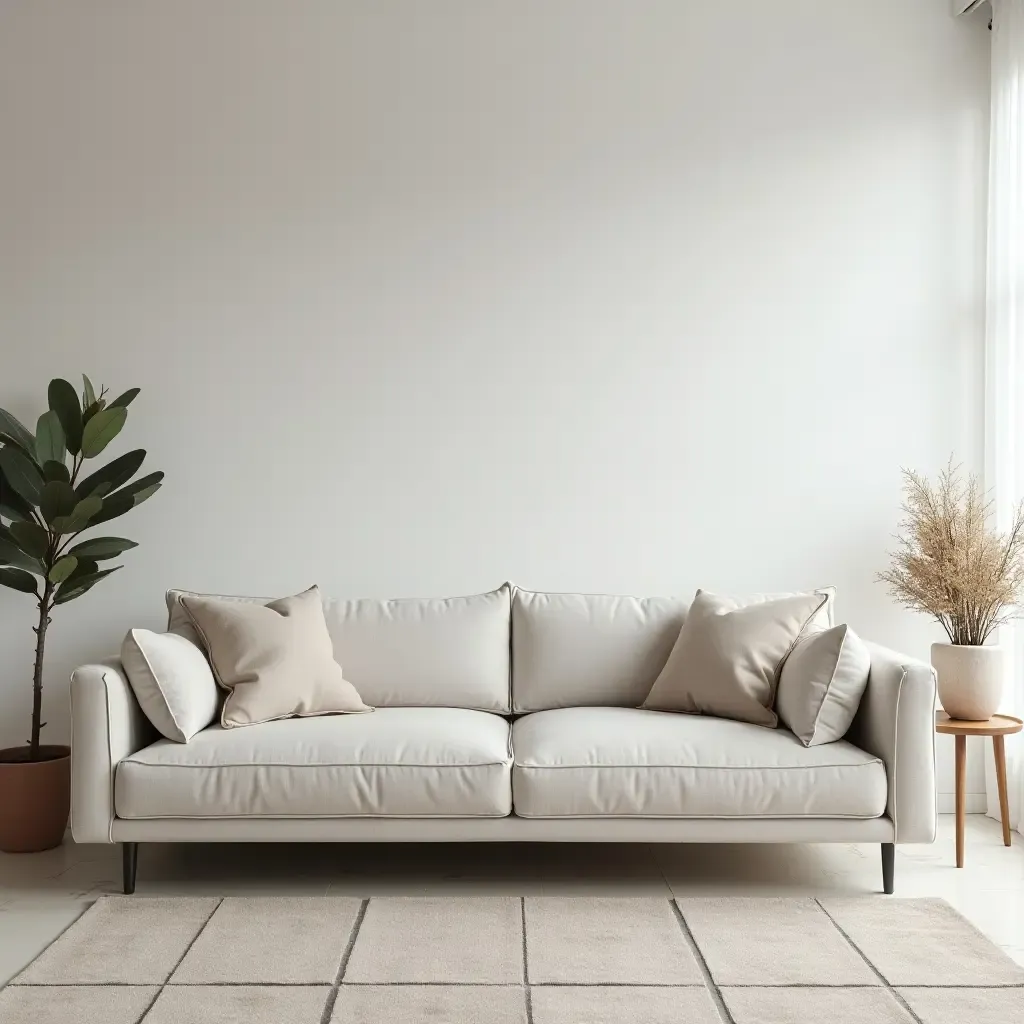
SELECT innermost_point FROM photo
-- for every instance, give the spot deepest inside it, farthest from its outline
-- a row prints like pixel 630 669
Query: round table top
pixel 997 725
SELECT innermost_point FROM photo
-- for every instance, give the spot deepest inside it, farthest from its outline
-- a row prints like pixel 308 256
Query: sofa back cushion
pixel 413 652
pixel 598 650
pixel 589 650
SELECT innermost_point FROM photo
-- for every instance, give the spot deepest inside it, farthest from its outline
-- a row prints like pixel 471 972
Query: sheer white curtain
pixel 1004 336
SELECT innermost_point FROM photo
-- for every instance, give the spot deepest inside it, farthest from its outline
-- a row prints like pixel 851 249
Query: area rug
pixel 510 960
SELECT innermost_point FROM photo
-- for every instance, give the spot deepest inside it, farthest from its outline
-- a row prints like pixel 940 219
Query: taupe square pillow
pixel 727 657
pixel 822 683
pixel 276 660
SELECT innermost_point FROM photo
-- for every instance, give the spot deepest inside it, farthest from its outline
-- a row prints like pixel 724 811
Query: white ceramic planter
pixel 970 680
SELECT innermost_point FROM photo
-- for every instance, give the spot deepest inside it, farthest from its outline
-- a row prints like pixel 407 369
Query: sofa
pixel 506 716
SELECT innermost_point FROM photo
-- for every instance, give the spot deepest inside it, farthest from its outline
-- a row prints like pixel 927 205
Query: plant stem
pixel 37 677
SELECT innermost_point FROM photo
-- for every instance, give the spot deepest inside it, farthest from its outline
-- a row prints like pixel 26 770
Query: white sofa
pixel 504 716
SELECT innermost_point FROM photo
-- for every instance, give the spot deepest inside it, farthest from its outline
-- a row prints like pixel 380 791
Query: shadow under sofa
pixel 507 716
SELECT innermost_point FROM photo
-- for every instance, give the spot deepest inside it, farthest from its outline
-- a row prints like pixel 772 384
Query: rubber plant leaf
pixel 102 547
pixel 63 400
pixel 63 568
pixel 50 446
pixel 18 579
pixel 112 475
pixel 21 473
pixel 57 499
pixel 104 426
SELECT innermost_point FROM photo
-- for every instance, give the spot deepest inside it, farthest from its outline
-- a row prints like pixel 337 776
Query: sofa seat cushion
pixel 393 763
pixel 624 762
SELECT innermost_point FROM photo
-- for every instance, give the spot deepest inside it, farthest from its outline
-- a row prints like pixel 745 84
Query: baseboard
pixel 976 803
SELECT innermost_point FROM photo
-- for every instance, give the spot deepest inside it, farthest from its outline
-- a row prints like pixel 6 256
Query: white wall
pixel 619 295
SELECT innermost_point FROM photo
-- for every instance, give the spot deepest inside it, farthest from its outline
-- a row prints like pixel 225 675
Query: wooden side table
pixel 997 727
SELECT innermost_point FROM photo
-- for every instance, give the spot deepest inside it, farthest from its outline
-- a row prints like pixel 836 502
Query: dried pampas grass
pixel 950 563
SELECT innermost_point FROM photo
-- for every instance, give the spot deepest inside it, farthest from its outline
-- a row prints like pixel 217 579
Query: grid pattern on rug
pixel 517 960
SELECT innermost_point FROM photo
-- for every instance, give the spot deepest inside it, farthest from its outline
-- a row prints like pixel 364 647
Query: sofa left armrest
pixel 896 722
pixel 107 724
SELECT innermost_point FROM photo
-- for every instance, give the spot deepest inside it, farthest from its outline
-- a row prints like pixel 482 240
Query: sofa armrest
pixel 107 725
pixel 896 722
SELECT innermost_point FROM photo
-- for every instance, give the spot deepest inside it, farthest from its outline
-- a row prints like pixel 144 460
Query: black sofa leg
pixel 888 867
pixel 129 865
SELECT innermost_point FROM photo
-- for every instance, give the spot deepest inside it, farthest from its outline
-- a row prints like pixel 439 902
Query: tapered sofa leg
pixel 129 865
pixel 888 867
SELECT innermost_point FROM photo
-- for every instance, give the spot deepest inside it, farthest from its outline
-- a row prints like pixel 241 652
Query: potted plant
pixel 954 566
pixel 46 504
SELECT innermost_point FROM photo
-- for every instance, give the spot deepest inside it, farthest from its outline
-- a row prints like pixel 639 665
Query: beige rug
pixel 506 960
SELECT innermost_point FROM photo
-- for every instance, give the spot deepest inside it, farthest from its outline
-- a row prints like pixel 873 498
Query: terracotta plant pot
pixel 35 799
pixel 970 680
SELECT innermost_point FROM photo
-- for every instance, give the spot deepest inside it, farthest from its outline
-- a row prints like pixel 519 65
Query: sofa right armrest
pixel 107 724
pixel 896 723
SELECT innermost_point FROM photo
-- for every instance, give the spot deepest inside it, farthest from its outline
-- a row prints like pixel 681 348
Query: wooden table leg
pixel 961 796
pixel 999 752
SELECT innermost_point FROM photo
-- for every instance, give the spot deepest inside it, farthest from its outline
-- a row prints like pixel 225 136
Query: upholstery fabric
pixel 430 652
pixel 509 829
pixel 727 657
pixel 590 650
pixel 172 680
pixel 276 660
pixel 821 684
pixel 586 762
pixel 397 762
pixel 896 722
pixel 107 724
pixel 571 650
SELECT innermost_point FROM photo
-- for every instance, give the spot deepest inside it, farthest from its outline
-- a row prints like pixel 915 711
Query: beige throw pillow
pixel 276 660
pixel 727 657
pixel 821 685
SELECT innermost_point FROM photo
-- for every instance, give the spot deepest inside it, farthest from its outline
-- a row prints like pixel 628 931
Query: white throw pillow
pixel 821 685
pixel 172 680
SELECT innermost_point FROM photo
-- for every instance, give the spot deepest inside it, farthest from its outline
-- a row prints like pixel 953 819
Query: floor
pixel 41 894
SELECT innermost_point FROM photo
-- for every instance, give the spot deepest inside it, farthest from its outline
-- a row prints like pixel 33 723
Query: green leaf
pixel 50 445
pixel 104 426
pixel 123 401
pixel 112 475
pixel 11 427
pixel 84 515
pixel 114 505
pixel 63 568
pixel 63 401
pixel 12 504
pixel 11 554
pixel 76 586
pixel 18 579
pixel 102 547
pixel 89 392
pixel 57 499
pixel 21 473
pixel 147 483
pixel 31 538
pixel 146 492
pixel 127 498
pixel 85 567
pixel 56 471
